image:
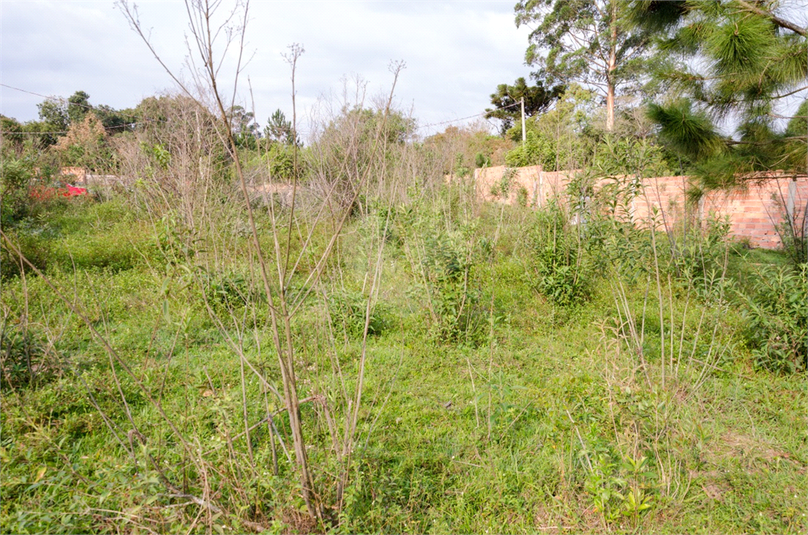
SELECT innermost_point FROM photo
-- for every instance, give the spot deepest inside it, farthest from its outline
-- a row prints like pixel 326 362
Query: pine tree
pixel 734 62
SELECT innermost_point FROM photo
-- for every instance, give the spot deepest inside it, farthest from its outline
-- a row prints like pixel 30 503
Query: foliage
pixel 538 149
pixel 57 116
pixel 590 41
pixel 159 377
pixel 279 129
pixel 556 259
pixel 348 311
pixel 750 59
pixel 686 130
pixel 53 113
pixel 444 256
pixel 468 147
pixel 12 140
pixel 245 130
pixel 629 156
pixel 700 261
pixel 777 311
pixel 356 148
pixel 85 145
pixel 15 178
pixel 620 488
pixel 503 187
pixel 23 358
pixel 466 427
pixel 507 100
pixel 557 139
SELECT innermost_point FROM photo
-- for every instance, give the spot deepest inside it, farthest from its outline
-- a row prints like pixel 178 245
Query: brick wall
pixel 78 174
pixel 754 212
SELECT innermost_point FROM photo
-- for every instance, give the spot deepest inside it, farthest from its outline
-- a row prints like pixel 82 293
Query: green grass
pixel 490 433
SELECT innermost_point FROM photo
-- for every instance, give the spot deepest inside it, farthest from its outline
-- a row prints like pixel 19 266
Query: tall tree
pixel 507 100
pixel 78 104
pixel 279 129
pixel 245 130
pixel 53 113
pixel 590 41
pixel 735 61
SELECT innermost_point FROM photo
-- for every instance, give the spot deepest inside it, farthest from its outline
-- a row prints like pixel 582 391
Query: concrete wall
pixel 754 212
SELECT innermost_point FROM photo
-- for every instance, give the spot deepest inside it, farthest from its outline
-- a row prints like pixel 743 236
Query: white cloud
pixel 456 52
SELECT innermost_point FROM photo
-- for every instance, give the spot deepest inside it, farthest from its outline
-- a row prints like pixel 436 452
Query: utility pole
pixel 524 136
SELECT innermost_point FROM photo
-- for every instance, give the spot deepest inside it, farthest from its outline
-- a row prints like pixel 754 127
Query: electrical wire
pixel 62 99
pixel 466 118
pixel 131 125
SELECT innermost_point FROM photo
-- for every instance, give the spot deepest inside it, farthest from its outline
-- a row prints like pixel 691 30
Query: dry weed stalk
pixel 277 267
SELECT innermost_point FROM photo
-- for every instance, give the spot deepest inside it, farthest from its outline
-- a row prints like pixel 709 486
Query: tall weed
pixel 556 258
pixel 444 250
pixel 776 309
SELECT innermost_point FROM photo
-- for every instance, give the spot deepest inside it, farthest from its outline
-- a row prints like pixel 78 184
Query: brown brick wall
pixel 754 212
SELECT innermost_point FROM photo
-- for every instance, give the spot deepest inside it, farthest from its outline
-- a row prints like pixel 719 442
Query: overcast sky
pixel 456 52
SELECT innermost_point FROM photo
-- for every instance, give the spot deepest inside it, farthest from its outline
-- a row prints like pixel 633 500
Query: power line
pixel 49 97
pixel 62 99
pixel 13 133
pixel 466 118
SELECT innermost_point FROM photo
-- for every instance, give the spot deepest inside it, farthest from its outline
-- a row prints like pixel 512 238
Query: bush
pixel 33 247
pixel 15 177
pixel 23 358
pixel 777 315
pixel 348 313
pixel 700 260
pixel 556 258
pixel 444 256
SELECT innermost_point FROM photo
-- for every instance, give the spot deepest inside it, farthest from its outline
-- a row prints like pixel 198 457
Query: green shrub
pixel 777 313
pixel 700 259
pixel 481 160
pixel 227 291
pixel 33 246
pixel 22 357
pixel 556 258
pixel 348 313
pixel 443 255
pixel 15 176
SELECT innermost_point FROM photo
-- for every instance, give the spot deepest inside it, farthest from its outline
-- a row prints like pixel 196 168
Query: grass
pixel 536 424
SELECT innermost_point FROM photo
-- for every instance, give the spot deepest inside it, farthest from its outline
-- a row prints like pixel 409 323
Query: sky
pixel 455 54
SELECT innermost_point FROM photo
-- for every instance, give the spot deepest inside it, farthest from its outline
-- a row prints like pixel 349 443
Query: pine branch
pixel 774 18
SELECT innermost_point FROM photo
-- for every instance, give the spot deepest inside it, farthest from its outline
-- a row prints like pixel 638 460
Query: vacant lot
pixel 461 368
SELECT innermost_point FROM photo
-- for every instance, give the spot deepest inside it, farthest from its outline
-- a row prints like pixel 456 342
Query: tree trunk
pixel 610 82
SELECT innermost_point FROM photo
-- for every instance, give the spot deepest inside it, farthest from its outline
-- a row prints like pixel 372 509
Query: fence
pixel 755 212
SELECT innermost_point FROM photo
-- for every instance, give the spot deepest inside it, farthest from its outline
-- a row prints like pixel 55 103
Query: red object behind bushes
pixel 45 193
pixel 74 191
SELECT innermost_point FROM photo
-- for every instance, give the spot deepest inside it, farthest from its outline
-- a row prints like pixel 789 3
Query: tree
pixel 358 143
pixel 245 129
pixel 459 150
pixel 508 97
pixel 85 145
pixel 590 41
pixel 115 121
pixel 557 139
pixel 57 115
pixel 78 104
pixel 279 129
pixel 730 61
pixel 11 138
pixel 53 113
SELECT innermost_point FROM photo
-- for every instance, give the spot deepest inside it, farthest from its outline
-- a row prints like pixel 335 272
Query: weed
pixel 777 313
pixel 556 259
